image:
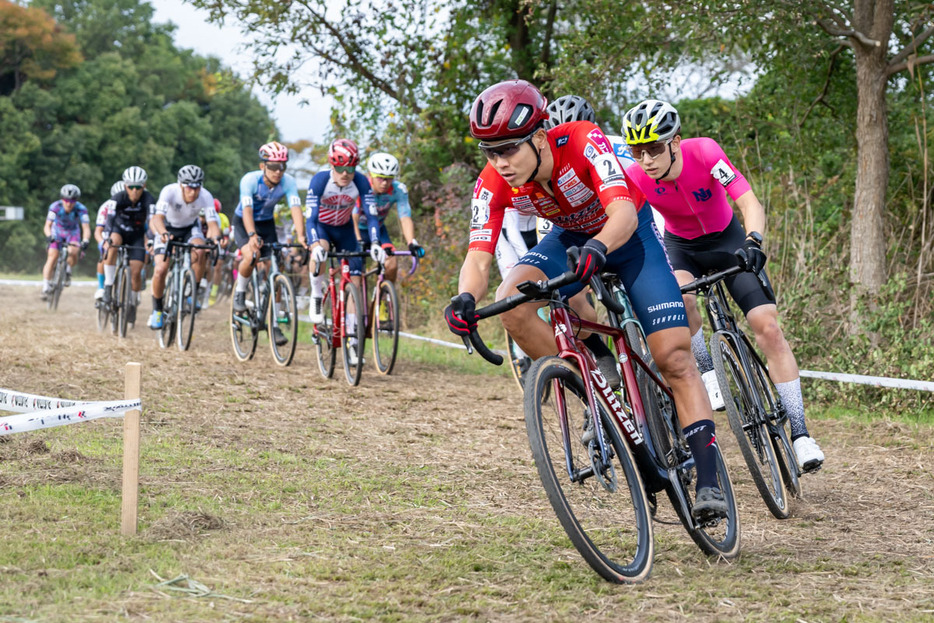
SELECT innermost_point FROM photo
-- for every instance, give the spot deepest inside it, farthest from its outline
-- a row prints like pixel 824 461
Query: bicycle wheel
pixel 115 302
pixel 744 412
pixel 386 327
pixel 354 334
pixel 103 315
pixel 123 298
pixel 779 426
pixel 58 281
pixel 602 506
pixel 283 315
pixel 243 331
pixel 169 313
pixel 186 309
pixel 324 337
pixel 225 287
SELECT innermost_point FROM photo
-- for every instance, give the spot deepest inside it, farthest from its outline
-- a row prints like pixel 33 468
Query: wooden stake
pixel 131 452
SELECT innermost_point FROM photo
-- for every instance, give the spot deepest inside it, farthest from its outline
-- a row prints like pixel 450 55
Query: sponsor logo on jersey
pixel 659 190
pixel 702 195
pixel 561 141
pixel 599 140
pixel 668 305
pixel 590 153
pixel 723 173
pixel 482 235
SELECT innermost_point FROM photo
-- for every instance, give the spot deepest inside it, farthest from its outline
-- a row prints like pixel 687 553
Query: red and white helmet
pixel 511 109
pixel 343 153
pixel 217 205
pixel 274 152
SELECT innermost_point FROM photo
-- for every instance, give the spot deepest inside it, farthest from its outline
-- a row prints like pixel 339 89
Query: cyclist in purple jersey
pixel 387 192
pixel 329 206
pixel 687 181
pixel 67 220
pixel 254 222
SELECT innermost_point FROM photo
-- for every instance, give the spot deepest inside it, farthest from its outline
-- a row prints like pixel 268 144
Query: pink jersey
pixel 695 204
pixel 587 177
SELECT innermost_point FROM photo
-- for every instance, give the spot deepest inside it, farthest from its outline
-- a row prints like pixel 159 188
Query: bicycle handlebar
pixel 709 280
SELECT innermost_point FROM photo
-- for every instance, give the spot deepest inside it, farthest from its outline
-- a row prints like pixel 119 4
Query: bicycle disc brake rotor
pixel 605 472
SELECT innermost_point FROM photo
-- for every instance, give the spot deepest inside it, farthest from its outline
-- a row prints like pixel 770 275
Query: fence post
pixel 131 452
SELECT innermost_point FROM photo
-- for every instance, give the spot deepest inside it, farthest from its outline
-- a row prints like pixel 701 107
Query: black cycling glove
pixel 461 314
pixel 750 256
pixel 592 260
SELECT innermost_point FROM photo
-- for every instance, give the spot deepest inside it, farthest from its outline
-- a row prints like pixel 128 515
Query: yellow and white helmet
pixel 649 122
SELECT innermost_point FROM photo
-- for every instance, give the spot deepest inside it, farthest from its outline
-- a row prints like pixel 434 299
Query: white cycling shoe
pixel 315 314
pixel 713 390
pixel 99 294
pixel 810 456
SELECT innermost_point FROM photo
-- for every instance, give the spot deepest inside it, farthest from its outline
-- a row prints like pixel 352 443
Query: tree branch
pixel 913 46
pixel 848 33
pixel 920 60
pixel 820 98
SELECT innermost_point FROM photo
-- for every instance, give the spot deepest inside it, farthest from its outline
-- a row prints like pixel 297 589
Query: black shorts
pixel 264 229
pixel 714 252
pixel 133 239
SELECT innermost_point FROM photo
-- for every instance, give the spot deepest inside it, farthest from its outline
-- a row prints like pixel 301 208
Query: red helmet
pixel 217 205
pixel 343 153
pixel 274 152
pixel 511 109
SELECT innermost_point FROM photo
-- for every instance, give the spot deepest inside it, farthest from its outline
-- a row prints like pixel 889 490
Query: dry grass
pixel 291 497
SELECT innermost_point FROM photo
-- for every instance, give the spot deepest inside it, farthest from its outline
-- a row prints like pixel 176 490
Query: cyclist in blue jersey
pixel 67 220
pixel 332 196
pixel 254 219
pixel 387 192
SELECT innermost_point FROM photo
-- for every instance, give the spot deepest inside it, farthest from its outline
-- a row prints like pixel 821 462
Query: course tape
pixel 875 381
pixel 22 282
pixel 37 412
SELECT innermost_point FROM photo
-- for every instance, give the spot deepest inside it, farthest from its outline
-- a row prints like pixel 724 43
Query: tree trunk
pixel 867 235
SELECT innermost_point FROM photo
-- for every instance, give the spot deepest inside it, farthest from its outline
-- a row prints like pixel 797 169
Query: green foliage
pixel 135 99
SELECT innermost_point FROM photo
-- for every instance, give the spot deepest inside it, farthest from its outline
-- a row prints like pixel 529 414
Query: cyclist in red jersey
pixel 570 175
pixel 687 181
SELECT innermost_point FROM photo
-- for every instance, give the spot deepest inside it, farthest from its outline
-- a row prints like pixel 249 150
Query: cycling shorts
pixel 641 264
pixel 69 236
pixel 181 234
pixel 135 241
pixel 715 252
pixel 266 230
pixel 342 238
pixel 383 235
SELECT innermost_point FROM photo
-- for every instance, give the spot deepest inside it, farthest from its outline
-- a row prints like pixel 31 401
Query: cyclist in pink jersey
pixel 687 181
pixel 570 175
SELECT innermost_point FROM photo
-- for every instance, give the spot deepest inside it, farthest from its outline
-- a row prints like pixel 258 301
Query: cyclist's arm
pixel 408 228
pixel 157 224
pixel 620 225
pixel 85 232
pixel 753 212
pixel 355 216
pixel 368 206
pixel 48 227
pixel 475 273
pixel 404 210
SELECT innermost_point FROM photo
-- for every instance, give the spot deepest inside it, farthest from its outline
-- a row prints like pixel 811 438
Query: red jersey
pixel 586 178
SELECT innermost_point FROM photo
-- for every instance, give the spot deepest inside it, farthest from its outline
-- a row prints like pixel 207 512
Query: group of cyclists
pixel 598 192
pixel 344 211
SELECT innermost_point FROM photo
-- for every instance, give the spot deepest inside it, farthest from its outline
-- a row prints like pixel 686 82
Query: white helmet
pixel 135 175
pixel 383 164
pixel 70 191
pixel 568 108
pixel 117 188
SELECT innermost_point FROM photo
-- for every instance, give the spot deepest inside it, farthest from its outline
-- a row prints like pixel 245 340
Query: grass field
pixel 273 494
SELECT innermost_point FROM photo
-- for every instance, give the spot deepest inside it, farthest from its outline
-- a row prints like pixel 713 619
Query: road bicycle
pixel 343 327
pixel 60 274
pixel 754 409
pixel 383 315
pixel 179 303
pixel 602 457
pixel 228 277
pixel 122 305
pixel 270 307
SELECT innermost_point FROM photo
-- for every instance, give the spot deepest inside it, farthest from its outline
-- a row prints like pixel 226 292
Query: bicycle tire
pixel 325 338
pixel 243 333
pixel 746 417
pixel 115 302
pixel 58 280
pixel 186 305
pixel 283 314
pixel 225 287
pixel 606 513
pixel 385 332
pixel 103 315
pixel 722 537
pixel 352 341
pixel 169 312
pixel 779 426
pixel 124 300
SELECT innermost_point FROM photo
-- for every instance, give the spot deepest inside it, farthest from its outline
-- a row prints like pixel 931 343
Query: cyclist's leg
pixel 50 259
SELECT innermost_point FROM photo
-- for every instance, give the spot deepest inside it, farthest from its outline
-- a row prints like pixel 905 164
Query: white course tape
pixel 24 422
pixel 875 381
pixel 22 282
pixel 24 403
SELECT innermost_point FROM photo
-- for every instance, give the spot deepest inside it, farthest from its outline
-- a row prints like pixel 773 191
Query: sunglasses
pixel 192 186
pixel 504 150
pixel 345 169
pixel 134 187
pixel 64 200
pixel 275 166
pixel 654 150
pixel 385 178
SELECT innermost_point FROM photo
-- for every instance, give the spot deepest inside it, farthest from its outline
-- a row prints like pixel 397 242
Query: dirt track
pixel 860 544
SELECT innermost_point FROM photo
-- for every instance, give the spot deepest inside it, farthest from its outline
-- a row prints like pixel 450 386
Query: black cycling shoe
pixel 107 299
pixel 239 302
pixel 279 337
pixel 709 504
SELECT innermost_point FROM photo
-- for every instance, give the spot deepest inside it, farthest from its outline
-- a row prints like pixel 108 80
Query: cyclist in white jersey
pixel 100 235
pixel 177 217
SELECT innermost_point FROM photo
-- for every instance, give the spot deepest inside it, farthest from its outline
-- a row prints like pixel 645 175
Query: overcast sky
pixel 194 32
